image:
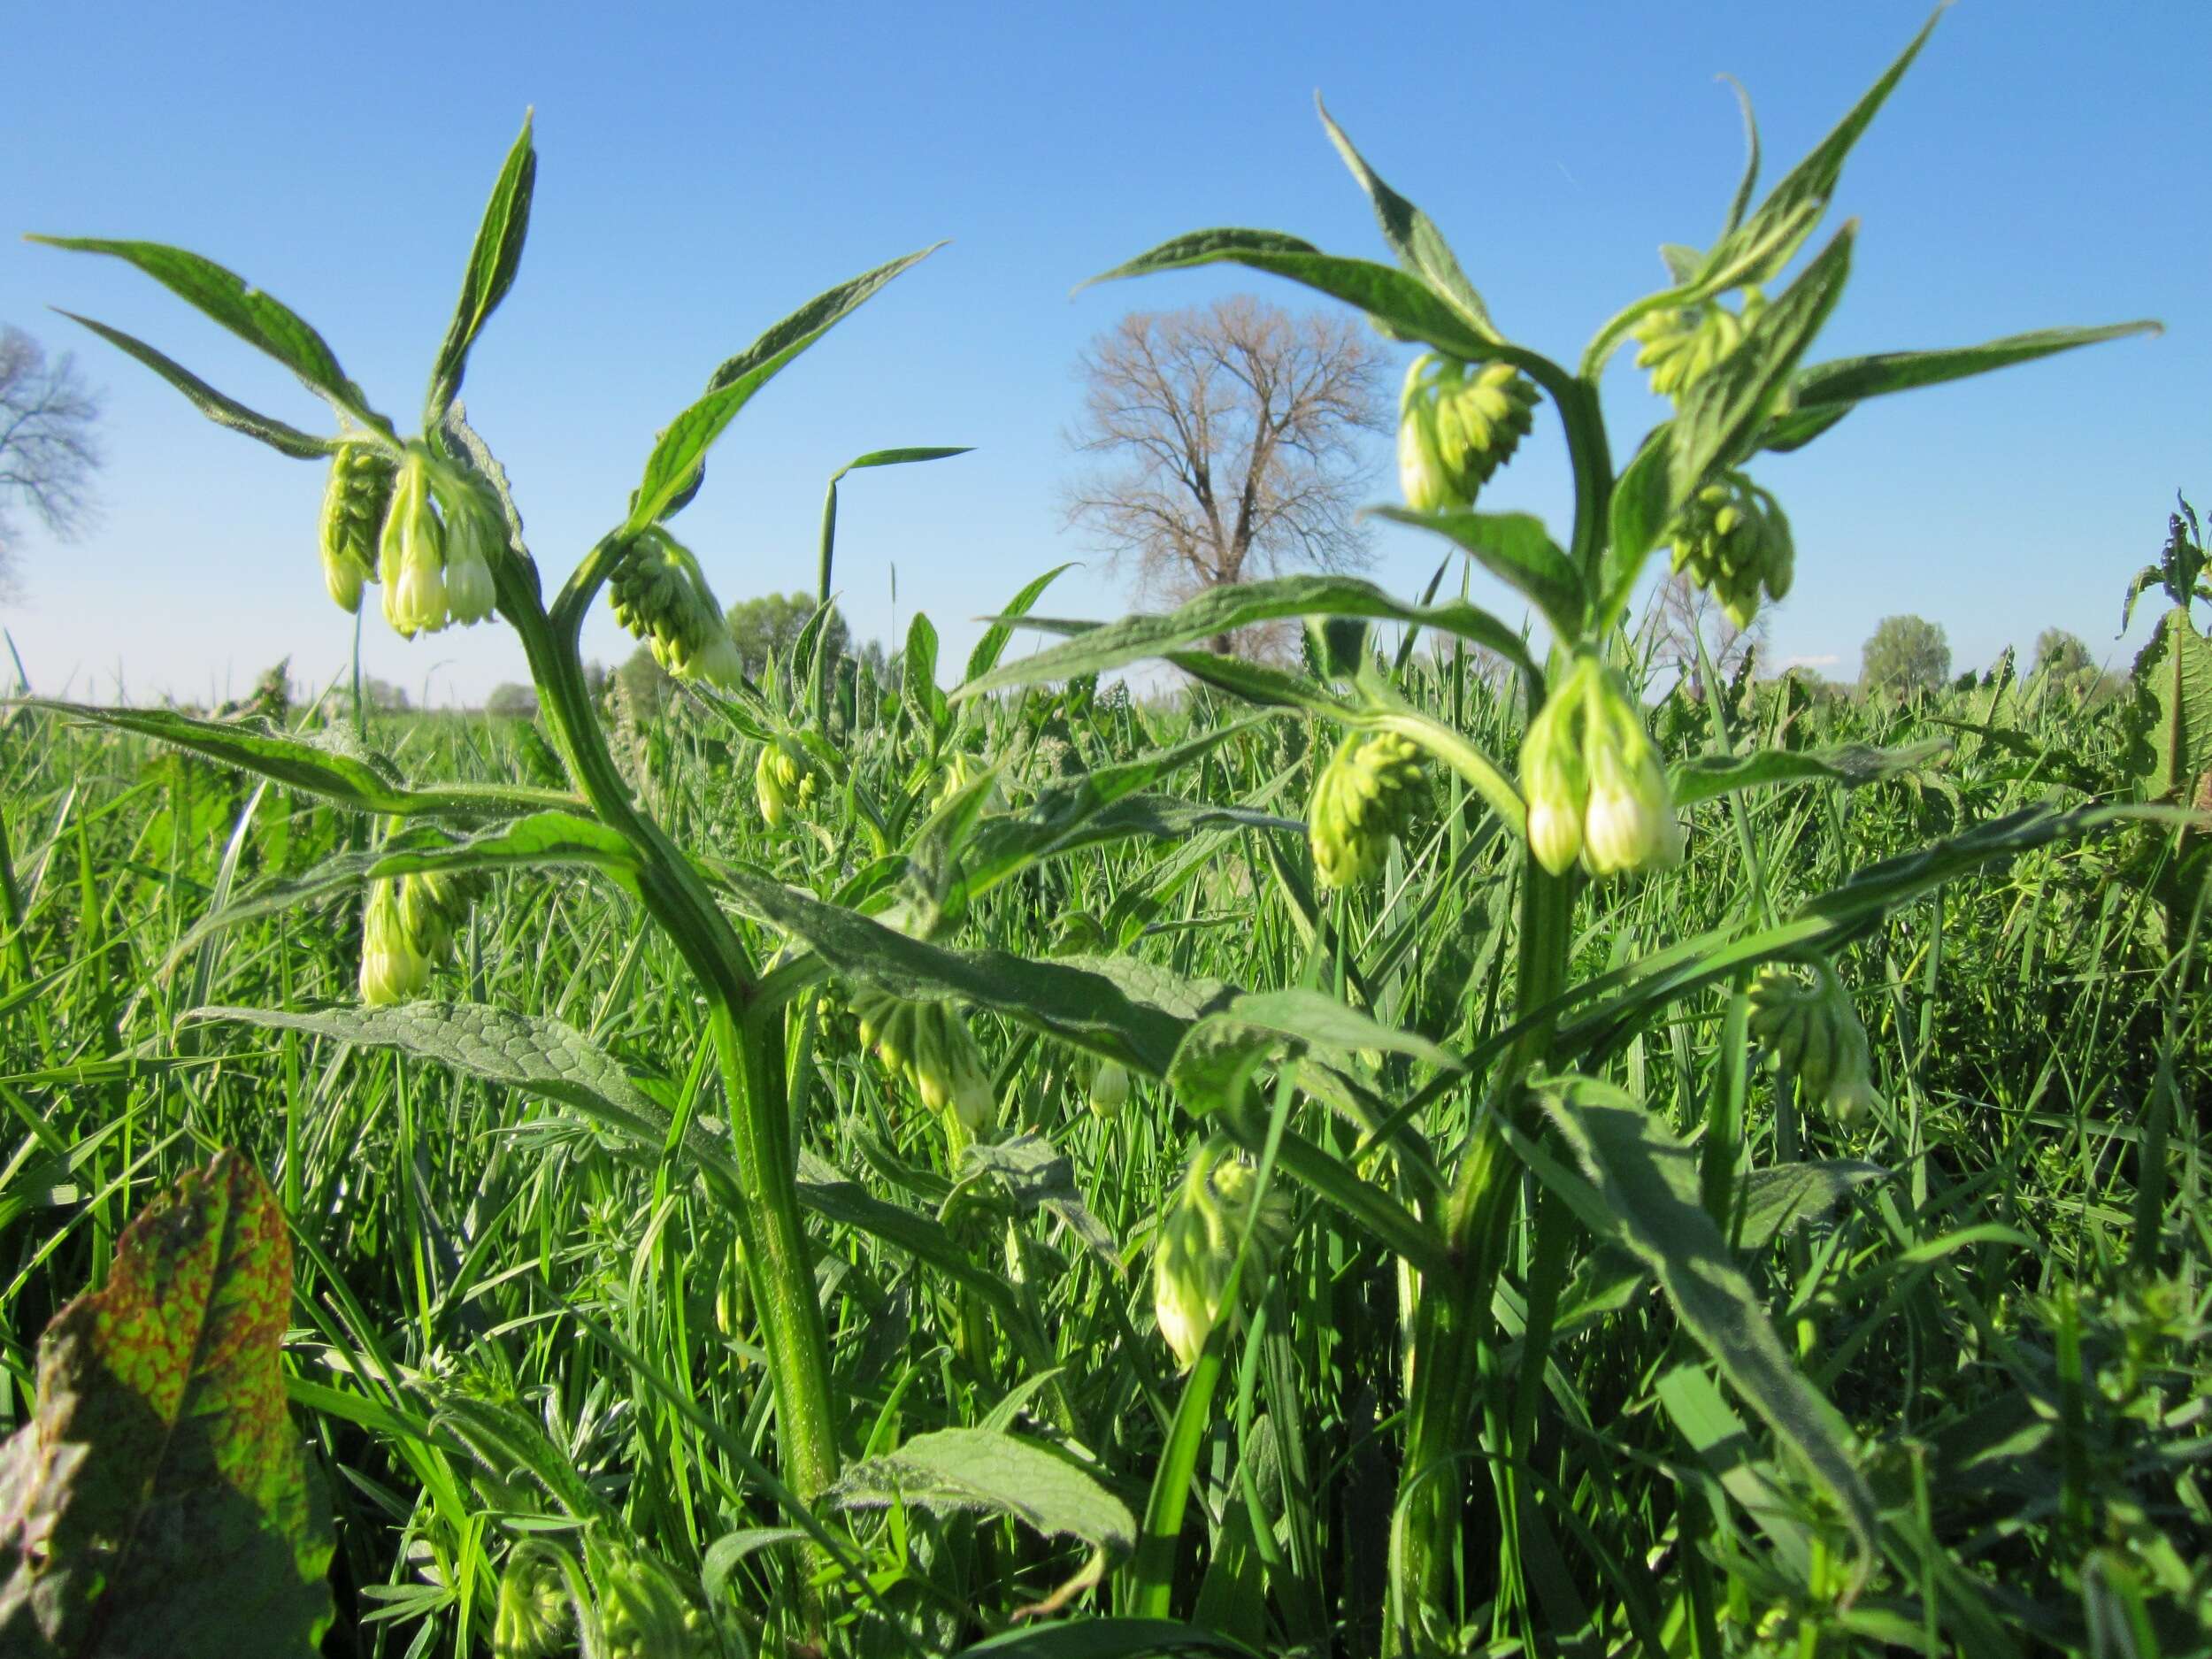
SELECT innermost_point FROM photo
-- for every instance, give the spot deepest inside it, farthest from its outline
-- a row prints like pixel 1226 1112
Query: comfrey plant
pixel 1427 1146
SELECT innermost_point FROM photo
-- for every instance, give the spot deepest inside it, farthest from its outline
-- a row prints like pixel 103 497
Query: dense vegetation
pixel 1414 1149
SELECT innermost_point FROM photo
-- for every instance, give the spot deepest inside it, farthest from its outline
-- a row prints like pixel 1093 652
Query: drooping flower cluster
pixel 1732 537
pixel 407 927
pixel 781 779
pixel 1458 424
pixel 1682 344
pixel 930 1046
pixel 1813 1032
pixel 1198 1244
pixel 1592 782
pixel 1363 798
pixel 661 595
pixel 534 1618
pixel 422 529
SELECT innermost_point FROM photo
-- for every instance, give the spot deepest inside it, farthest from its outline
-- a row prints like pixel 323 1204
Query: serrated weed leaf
pixel 160 1500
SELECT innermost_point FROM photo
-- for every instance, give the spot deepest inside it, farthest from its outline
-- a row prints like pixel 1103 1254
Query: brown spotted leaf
pixel 159 1502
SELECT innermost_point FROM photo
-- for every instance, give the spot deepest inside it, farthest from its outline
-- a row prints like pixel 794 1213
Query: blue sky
pixel 705 169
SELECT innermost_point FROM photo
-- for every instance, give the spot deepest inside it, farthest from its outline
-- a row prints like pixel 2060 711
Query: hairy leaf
pixel 674 470
pixel 1650 1181
pixel 1097 647
pixel 223 410
pixel 493 261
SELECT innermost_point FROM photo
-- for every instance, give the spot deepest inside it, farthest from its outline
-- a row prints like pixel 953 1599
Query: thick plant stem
pixel 779 1260
pixel 1451 1329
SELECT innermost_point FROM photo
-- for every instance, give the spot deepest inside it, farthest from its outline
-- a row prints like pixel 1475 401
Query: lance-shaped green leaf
pixel 1412 236
pixel 1854 765
pixel 258 318
pixel 1650 1181
pixel 1106 1638
pixel 1000 634
pixel 493 261
pixel 542 840
pixel 1515 547
pixel 1099 646
pixel 1758 248
pixel 321 768
pixel 159 1501
pixel 1068 997
pixel 1822 394
pixel 1722 413
pixel 996 1472
pixel 674 470
pixel 222 410
pixel 1402 305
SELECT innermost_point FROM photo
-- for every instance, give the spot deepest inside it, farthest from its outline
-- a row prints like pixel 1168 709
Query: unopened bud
pixel 474 537
pixel 1198 1241
pixel 411 552
pixel 1457 425
pixel 355 500
pixel 1732 539
pixel 1109 1090
pixel 392 970
pixel 1683 344
pixel 661 595
pixel 1554 782
pixel 1363 798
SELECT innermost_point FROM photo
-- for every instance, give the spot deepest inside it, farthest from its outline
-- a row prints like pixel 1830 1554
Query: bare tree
pixel 1681 613
pixel 47 452
pixel 1227 442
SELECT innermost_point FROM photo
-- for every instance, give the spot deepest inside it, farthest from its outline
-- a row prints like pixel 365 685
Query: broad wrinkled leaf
pixel 222 410
pixel 996 1472
pixel 1650 1181
pixel 493 261
pixel 160 1502
pixel 1037 1175
pixel 258 318
pixel 1779 1198
pixel 674 470
pixel 1099 646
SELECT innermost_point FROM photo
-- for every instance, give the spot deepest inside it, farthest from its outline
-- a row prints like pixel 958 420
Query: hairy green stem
pixel 748 1046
